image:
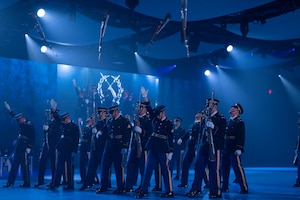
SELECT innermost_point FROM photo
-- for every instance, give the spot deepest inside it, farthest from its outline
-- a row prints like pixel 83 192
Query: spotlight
pixel 229 48
pixel 41 12
pixel 207 72
pixel 43 49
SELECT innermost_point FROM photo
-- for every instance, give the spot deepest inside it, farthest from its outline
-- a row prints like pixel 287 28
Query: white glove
pixel 89 155
pixel 137 129
pixel 98 134
pixel 210 125
pixel 53 104
pixel 87 101
pixel 179 141
pixel 94 130
pixel 238 152
pixel 45 127
pixel 123 151
pixel 170 156
pixel 28 150
pixel 144 92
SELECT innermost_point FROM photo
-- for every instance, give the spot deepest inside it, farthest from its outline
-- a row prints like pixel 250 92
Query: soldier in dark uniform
pixel 52 134
pixel 84 148
pixel 234 147
pixel 99 137
pixel 192 136
pixel 25 142
pixel 210 151
pixel 67 145
pixel 202 159
pixel 178 148
pixel 137 154
pixel 160 150
pixel 119 130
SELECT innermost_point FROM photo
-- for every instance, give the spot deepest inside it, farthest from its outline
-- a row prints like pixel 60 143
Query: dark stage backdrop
pixel 271 104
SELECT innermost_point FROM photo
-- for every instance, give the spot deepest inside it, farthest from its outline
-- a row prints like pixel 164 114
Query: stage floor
pixel 264 183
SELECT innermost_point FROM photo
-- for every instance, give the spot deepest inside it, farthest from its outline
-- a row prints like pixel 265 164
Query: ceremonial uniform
pixel 52 134
pixel 67 145
pixel 234 146
pixel 218 134
pixel 137 154
pixel 25 142
pixel 84 148
pixel 192 136
pixel 99 137
pixel 177 155
pixel 159 145
pixel 119 130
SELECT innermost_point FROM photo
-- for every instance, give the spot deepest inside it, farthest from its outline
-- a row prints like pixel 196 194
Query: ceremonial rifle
pixel 295 161
pixel 212 152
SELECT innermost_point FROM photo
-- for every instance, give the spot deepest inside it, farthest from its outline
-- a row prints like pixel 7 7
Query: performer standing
pixel 84 148
pixel 52 134
pixel 119 130
pixel 160 150
pixel 99 137
pixel 67 145
pixel 215 131
pixel 137 154
pixel 178 148
pixel 23 148
pixel 234 147
pixel 192 136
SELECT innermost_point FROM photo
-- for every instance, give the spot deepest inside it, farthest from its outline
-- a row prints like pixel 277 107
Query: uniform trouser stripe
pixel 242 173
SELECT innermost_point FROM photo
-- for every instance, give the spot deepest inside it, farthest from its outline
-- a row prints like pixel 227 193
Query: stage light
pixel 229 48
pixel 41 12
pixel 43 49
pixel 207 72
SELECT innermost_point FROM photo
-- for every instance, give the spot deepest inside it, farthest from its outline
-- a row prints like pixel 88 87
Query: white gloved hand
pixel 87 101
pixel 98 134
pixel 53 104
pixel 28 150
pixel 210 125
pixel 123 151
pixel 94 130
pixel 179 141
pixel 137 129
pixel 144 92
pixel 88 155
pixel 45 127
pixel 238 152
pixel 170 155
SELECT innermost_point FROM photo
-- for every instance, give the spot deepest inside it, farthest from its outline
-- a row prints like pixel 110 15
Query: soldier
pixel 67 146
pixel 234 147
pixel 119 130
pixel 25 142
pixel 52 134
pixel 84 148
pixel 192 136
pixel 99 138
pixel 178 148
pixel 210 152
pixel 137 154
pixel 160 150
